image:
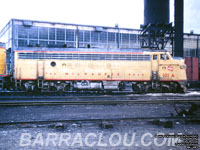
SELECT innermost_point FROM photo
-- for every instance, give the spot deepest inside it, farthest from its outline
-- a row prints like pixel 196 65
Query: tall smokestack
pixel 157 30
pixel 179 18
pixel 156 12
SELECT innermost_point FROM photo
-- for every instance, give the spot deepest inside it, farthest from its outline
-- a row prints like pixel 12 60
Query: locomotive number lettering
pixel 166 75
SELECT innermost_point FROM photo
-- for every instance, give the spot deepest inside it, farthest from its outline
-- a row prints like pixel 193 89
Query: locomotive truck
pixel 94 69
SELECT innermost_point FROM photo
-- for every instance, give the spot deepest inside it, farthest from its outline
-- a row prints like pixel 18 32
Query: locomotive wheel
pixel 165 90
pixel 181 90
pixel 52 88
pixel 150 90
pixel 138 89
pixel 37 90
pixel 67 87
pixel 122 86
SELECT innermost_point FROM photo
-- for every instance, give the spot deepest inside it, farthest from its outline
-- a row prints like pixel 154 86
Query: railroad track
pixel 86 95
pixel 98 99
pixel 23 93
pixel 151 119
pixel 24 101
pixel 81 93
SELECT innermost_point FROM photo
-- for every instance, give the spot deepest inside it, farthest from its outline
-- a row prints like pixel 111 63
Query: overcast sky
pixel 126 13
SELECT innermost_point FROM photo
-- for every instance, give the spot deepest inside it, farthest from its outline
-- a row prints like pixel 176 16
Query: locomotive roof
pixel 88 50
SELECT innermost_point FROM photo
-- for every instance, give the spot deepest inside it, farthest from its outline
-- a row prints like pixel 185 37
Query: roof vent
pixel 99 29
pixel 27 23
pixel 191 31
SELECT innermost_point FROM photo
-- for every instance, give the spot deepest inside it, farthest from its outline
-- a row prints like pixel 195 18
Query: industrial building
pixel 24 34
pixel 19 34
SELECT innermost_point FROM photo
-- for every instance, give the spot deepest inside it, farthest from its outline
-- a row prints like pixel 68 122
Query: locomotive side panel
pixel 25 69
pixel 83 70
pixel 2 61
pixel 55 69
pixel 138 71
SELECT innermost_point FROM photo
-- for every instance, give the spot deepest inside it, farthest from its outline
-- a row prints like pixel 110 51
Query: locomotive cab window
pixel 155 57
pixel 164 57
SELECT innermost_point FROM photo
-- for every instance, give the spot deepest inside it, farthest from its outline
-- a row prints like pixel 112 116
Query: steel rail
pixel 100 120
pixel 80 92
pixel 130 96
pixel 96 102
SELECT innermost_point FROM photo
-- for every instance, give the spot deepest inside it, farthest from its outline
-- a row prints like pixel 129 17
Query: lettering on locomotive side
pixel 64 65
pixel 168 75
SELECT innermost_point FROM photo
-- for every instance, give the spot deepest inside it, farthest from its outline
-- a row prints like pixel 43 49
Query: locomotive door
pixel 155 62
pixel 155 66
pixel 165 67
pixel 40 69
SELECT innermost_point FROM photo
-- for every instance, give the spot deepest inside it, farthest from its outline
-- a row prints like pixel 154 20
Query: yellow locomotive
pixel 3 66
pixel 2 61
pixel 92 69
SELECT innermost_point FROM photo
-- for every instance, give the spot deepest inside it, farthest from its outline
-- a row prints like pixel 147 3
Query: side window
pixel 155 57
pixel 164 57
